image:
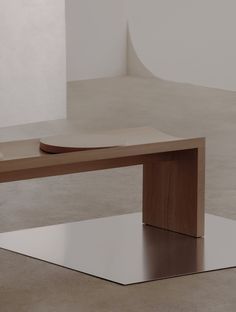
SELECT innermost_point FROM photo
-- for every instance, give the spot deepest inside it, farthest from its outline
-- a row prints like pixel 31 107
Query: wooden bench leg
pixel 173 191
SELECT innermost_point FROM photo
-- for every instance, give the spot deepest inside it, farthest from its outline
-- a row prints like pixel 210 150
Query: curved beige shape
pixel 104 139
pixel 186 40
pixel 135 67
pixel 78 142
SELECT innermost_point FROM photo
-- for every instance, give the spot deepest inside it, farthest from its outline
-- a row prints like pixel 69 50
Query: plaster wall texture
pixel 96 38
pixel 32 61
pixel 186 40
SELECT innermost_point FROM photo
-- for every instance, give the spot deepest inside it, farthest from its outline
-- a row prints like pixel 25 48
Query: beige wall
pixel 96 38
pixel 32 61
pixel 190 41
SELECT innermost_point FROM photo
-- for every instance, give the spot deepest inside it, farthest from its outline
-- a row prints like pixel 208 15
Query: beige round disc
pixel 79 142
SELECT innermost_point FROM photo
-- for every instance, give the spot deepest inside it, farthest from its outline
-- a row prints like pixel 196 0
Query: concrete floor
pixel 28 285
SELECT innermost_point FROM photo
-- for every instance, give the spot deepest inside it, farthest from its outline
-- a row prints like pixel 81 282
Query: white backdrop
pixel 96 38
pixel 32 61
pixel 186 40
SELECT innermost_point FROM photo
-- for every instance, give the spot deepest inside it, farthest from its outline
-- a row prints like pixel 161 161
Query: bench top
pixel 19 158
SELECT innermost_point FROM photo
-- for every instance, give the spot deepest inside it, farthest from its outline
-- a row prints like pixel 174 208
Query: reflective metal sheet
pixel 122 250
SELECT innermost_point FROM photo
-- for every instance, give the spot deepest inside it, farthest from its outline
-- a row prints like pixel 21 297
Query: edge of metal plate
pixel 123 250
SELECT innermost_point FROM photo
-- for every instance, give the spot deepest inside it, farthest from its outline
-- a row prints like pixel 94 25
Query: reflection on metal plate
pixel 123 250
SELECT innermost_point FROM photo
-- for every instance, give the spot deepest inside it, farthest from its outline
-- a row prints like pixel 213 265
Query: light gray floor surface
pixel 28 285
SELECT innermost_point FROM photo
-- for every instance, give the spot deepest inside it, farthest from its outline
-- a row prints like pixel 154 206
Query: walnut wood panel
pixel 26 155
pixel 63 169
pixel 173 191
pixel 32 163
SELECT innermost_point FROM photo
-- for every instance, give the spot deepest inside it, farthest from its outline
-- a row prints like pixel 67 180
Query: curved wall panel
pixel 134 65
pixel 186 40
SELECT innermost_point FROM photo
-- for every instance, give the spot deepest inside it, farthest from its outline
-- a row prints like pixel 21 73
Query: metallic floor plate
pixel 122 250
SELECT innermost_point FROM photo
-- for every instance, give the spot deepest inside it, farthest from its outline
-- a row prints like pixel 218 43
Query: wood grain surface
pixel 173 170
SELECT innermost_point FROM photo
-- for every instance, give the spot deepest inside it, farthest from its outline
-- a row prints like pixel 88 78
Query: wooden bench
pixel 123 249
pixel 173 169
